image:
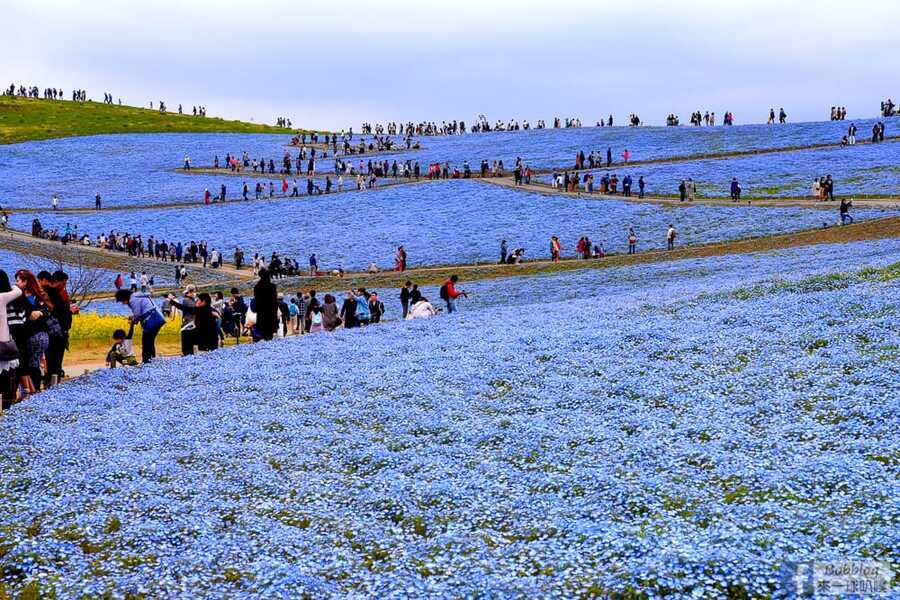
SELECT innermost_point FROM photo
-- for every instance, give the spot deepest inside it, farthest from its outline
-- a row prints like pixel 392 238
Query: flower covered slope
pixel 654 439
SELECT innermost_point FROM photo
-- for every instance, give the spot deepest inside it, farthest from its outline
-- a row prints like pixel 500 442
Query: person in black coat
pixel 206 331
pixel 265 295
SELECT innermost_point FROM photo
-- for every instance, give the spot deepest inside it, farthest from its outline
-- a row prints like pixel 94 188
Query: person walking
pixel 845 211
pixel 449 293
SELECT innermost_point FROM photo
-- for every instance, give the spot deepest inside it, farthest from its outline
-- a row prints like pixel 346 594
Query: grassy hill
pixel 26 119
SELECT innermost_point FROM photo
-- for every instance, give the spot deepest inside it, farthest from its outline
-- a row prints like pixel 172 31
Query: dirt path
pixel 548 190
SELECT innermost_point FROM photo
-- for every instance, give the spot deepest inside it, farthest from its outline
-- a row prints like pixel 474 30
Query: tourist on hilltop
pixel 771 116
pixel 265 305
pixel 846 205
pixel 670 237
pixel 449 293
pixel 54 202
pixel 608 157
pixel 98 202
pixel 641 185
pixel 146 313
pixel 851 134
pixel 735 190
pixel 504 250
pixel 625 156
pixel 682 190
pixel 782 116
pixel 632 241
pixel 691 190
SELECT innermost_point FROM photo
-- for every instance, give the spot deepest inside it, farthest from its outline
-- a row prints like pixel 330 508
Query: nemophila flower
pixel 138 169
pixel 468 229
pixel 681 429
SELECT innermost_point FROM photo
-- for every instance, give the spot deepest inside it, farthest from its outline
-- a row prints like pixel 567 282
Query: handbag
pixel 8 351
pixel 53 327
pixel 152 320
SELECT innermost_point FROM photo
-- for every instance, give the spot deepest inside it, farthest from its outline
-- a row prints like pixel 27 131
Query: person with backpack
pixel 632 241
pixel 449 293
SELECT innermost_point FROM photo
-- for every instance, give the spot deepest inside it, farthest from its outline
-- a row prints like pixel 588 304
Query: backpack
pixel 445 293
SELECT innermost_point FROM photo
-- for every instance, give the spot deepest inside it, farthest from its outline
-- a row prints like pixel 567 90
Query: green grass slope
pixel 27 119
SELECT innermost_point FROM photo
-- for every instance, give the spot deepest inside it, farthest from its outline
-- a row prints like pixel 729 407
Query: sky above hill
pixel 335 65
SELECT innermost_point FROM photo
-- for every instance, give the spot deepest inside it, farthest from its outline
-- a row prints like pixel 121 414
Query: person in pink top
pixel 626 155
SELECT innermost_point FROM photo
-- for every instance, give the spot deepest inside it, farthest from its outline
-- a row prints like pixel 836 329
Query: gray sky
pixel 336 64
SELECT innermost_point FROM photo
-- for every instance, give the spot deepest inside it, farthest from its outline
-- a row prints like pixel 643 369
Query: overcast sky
pixel 336 64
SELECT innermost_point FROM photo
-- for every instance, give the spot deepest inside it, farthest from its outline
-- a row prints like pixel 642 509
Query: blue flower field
pixel 681 430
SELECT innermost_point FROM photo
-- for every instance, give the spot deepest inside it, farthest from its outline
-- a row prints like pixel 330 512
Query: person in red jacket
pixel 449 293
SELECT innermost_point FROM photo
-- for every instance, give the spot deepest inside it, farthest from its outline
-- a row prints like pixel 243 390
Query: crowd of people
pixel 838 113
pixel 207 320
pixel 35 318
pixel 34 91
pixel 458 127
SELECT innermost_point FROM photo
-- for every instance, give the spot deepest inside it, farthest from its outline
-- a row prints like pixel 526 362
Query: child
pixel 122 350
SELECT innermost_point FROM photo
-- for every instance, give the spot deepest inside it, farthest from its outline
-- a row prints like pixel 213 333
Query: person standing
pixel 608 157
pixel 682 190
pixel 555 248
pixel 641 185
pixel 400 259
pixel 405 293
pixel 187 318
pixel 449 293
pixel 54 201
pixel 376 308
pixel 146 313
pixel 735 196
pixel 504 251
pixel 265 298
pixel 670 237
pixel 98 202
pixel 313 265
pixel 632 241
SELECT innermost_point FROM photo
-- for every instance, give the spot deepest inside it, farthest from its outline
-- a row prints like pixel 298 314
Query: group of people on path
pixel 208 319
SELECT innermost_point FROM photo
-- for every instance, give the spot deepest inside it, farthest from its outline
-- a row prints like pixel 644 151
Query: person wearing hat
pixel 187 318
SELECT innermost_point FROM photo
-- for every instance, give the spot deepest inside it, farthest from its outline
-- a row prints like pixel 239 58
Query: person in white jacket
pixel 421 310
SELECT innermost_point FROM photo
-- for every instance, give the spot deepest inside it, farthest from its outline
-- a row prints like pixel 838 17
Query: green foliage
pixel 27 119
